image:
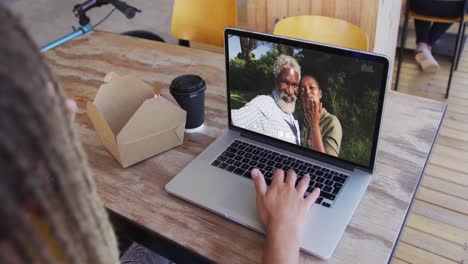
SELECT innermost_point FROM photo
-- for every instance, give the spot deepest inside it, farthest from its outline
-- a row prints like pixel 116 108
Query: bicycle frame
pixel 77 33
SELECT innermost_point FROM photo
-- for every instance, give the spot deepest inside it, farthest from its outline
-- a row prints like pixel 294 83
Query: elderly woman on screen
pixel 321 131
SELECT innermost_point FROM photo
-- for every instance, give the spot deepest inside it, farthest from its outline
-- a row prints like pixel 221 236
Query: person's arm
pixel 313 113
pixel 332 137
pixel 246 116
pixel 283 211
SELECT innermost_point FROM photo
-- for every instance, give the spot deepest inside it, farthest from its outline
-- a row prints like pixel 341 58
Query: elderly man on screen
pixel 272 115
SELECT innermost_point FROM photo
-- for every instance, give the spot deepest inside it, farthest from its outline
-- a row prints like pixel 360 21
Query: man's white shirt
pixel 263 115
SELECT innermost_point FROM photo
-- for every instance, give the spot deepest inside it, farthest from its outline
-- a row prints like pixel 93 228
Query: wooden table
pixel 410 125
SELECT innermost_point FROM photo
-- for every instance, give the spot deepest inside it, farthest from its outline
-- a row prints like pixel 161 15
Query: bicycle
pixel 85 23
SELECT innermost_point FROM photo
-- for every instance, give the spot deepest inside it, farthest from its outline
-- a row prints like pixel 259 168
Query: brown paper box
pixel 131 123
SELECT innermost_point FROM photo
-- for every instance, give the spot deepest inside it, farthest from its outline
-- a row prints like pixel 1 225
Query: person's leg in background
pixel 427 33
pixel 437 30
pixel 423 50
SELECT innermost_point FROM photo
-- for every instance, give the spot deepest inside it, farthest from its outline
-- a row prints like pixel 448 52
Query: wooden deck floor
pixel 437 227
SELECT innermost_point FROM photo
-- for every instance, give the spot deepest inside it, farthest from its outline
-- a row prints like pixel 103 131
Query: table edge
pixel 418 184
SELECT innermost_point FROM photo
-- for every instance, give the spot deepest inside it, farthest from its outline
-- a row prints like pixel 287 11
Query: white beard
pixel 288 108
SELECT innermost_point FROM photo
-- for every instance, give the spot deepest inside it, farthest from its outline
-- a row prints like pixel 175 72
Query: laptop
pixel 295 104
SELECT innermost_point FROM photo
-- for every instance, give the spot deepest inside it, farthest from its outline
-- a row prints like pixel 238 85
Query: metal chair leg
pixel 457 47
pixel 459 52
pixel 454 58
pixel 402 46
pixel 183 42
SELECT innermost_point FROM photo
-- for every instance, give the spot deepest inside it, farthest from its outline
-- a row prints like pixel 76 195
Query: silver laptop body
pixel 233 196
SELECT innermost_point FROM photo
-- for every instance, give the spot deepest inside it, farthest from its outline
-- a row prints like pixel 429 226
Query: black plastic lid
pixel 187 84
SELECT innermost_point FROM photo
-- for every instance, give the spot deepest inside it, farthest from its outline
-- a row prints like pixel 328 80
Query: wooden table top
pixel 410 125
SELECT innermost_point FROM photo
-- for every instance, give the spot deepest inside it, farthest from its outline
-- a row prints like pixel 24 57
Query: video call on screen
pixel 321 101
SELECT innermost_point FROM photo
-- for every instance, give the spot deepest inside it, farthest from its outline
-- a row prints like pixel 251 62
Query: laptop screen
pixel 326 100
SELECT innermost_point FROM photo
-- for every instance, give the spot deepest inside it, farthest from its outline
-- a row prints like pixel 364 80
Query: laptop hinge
pixel 299 150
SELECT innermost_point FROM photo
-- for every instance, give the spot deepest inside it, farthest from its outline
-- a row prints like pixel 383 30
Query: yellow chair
pixel 457 49
pixel 203 20
pixel 327 30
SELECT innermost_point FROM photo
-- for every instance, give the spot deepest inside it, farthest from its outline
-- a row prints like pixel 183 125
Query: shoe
pixel 427 61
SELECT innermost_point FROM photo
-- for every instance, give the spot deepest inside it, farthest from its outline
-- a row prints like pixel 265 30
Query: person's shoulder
pixel 261 101
pixel 257 105
pixel 331 119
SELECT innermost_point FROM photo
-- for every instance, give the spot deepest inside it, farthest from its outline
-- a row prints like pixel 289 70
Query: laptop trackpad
pixel 240 202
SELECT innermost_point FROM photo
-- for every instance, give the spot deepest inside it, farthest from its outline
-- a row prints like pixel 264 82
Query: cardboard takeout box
pixel 131 122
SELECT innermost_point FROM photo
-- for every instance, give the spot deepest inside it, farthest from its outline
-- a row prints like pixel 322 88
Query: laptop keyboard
pixel 241 157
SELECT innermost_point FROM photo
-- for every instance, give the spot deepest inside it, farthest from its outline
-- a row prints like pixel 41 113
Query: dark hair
pixel 320 78
pixel 43 165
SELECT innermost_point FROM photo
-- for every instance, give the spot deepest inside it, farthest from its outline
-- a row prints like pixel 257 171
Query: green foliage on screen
pixel 351 94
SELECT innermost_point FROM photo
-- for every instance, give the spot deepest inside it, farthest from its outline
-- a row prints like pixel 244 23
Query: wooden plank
pixel 276 10
pixel 440 214
pixel 457 108
pixel 435 95
pixel 420 84
pixel 452 142
pixel 458 117
pixel 445 187
pixel 298 7
pixel 454 133
pixel 316 7
pixel 425 85
pixel 444 200
pixel 398 261
pixel 447 174
pixel 451 153
pixel 410 68
pixel 417 83
pixel 257 15
pixel 413 71
pixel 342 9
pixel 242 15
pixel 328 8
pixel 433 244
pixel 415 255
pixel 458 101
pixel 459 93
pixel 368 20
pixel 425 81
pixel 438 229
pixel 408 84
pixel 455 164
pixel 460 126
pixel 354 11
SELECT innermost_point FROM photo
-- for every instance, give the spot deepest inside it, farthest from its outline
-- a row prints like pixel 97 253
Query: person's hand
pixel 313 112
pixel 283 205
pixel 283 211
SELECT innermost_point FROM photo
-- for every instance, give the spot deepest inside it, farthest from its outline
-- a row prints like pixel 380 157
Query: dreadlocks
pixel 44 174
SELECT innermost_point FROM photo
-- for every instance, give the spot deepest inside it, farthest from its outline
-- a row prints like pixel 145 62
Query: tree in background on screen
pixel 247 46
